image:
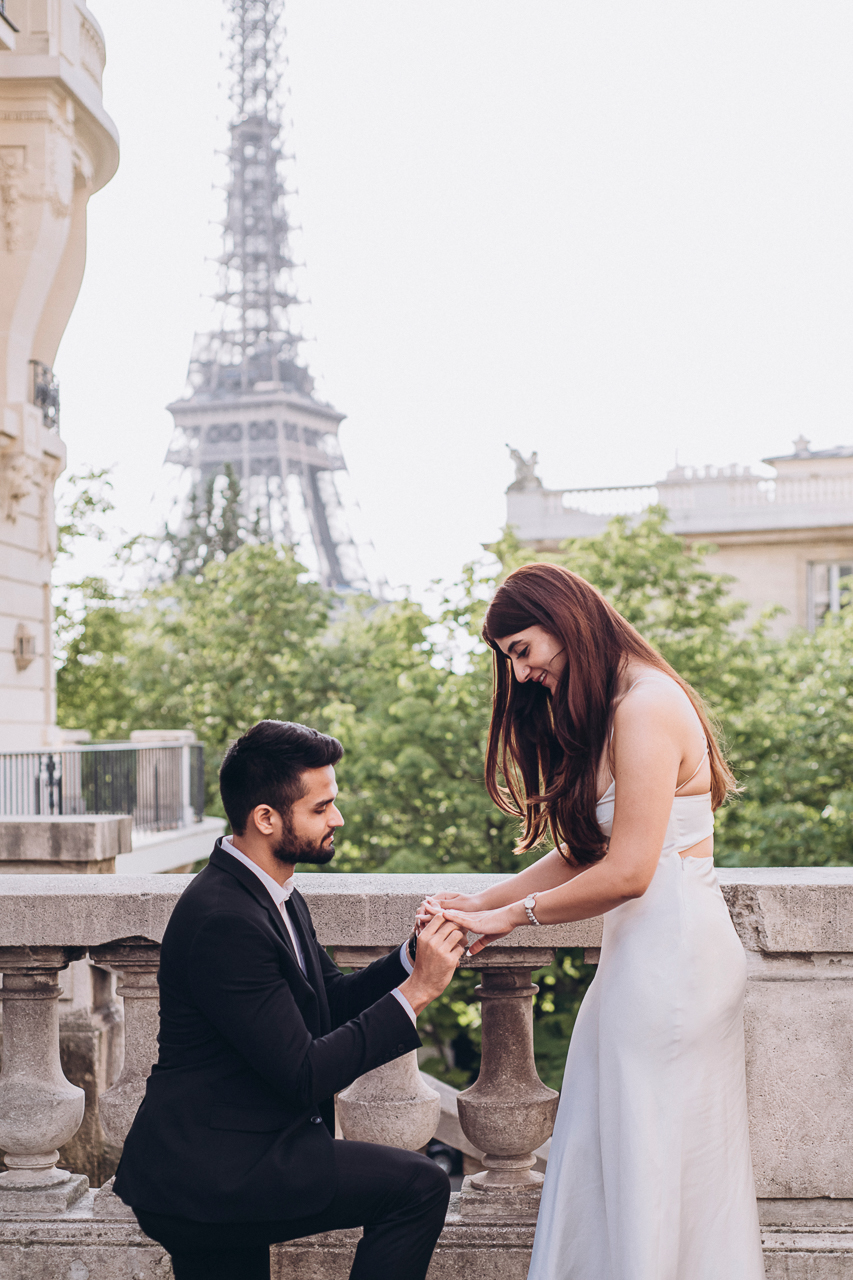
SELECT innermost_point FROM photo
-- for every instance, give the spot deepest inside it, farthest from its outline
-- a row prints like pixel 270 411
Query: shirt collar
pixel 279 893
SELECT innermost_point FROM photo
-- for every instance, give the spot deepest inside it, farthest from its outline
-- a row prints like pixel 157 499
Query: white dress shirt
pixel 280 893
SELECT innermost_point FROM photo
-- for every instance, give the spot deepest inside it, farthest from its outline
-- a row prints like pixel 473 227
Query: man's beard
pixel 291 849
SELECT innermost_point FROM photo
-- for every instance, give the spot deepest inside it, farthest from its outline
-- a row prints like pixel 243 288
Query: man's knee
pixel 389 1179
pixel 430 1182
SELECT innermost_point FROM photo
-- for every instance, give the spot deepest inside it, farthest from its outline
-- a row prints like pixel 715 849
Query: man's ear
pixel 262 819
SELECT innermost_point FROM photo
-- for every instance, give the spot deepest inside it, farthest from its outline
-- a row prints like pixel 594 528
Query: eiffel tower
pixel 251 405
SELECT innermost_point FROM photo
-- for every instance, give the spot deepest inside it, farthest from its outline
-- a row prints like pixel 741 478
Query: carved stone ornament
pixel 19 476
pixel 93 55
pixel 54 191
pixel 13 162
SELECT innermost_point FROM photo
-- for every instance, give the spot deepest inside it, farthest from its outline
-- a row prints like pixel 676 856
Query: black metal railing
pixel 161 786
pixel 197 781
pixel 4 15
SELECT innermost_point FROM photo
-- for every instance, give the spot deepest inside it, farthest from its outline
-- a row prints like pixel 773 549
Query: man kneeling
pixel 233 1146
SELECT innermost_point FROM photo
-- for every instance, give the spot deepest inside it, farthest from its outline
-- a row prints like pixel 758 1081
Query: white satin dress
pixel 650 1173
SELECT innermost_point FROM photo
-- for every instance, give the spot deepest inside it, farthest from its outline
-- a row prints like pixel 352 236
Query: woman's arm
pixel 654 732
pixel 546 873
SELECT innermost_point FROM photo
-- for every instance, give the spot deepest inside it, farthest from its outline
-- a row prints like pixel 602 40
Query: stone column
pixel 39 1109
pixel 136 961
pixel 796 925
pixel 508 1112
pixel 391 1104
pixel 70 844
pixel 89 1025
pixel 91 1050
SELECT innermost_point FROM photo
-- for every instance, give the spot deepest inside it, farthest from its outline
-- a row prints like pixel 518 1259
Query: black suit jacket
pixel 237 1121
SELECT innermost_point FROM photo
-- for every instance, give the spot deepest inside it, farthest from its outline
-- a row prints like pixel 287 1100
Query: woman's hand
pixel 436 902
pixel 458 901
pixel 490 924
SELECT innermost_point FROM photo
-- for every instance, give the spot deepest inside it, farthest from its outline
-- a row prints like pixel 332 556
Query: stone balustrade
pixel 797 928
pixel 392 1104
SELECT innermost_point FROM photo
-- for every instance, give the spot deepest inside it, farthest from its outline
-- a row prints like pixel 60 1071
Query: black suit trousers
pixel 398 1197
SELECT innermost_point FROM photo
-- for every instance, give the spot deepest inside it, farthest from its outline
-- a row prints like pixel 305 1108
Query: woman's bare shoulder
pixel 653 693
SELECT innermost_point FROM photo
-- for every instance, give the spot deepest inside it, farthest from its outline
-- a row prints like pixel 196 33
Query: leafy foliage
pixel 792 745
pixel 95 686
pixel 87 501
pixel 214 528
pixel 227 647
pixel 412 779
pixel 90 642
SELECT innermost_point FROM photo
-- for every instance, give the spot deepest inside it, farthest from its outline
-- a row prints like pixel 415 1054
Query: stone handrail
pixel 696 505
pixel 796 926
pixel 348 910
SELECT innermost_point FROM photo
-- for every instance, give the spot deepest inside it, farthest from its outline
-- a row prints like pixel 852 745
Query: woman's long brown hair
pixel 548 747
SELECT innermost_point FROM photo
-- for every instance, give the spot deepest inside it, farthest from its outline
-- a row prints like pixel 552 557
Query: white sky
pixel 604 231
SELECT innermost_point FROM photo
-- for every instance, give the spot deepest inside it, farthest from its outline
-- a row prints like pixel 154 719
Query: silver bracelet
pixel 529 903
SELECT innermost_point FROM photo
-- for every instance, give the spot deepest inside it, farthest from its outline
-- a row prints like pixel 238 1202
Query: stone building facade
pixel 57 147
pixel 786 539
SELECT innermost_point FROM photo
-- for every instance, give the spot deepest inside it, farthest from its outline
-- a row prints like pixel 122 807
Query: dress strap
pixel 657 675
pixel 696 770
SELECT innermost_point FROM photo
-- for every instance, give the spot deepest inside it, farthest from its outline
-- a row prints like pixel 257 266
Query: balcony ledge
pixel 113 1250
pixel 775 910
pixel 797 927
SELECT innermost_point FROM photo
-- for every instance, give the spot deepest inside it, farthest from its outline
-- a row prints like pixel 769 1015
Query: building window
pixel 830 586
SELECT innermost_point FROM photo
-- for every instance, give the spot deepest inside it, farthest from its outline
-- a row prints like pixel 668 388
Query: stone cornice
pixel 16 68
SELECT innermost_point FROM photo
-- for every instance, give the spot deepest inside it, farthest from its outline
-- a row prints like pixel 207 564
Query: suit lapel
pixel 223 860
pixel 301 918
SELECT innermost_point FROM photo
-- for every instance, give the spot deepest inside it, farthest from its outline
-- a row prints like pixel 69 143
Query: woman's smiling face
pixel 535 656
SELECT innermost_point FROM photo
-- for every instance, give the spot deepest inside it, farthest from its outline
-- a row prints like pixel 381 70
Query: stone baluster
pixel 391 1104
pixel 508 1112
pixel 135 961
pixel 39 1109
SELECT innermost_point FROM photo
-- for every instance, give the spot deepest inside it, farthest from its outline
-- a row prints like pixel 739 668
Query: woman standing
pixel 601 743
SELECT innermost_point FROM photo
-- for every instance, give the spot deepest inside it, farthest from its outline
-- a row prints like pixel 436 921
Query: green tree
pixel 94 689
pixel 247 637
pixel 792 746
pixel 214 527
pixel 95 680
pixel 214 652
pixel 229 646
pixel 85 500
pixel 414 731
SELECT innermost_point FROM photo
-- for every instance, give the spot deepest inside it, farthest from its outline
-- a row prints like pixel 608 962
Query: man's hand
pixel 440 946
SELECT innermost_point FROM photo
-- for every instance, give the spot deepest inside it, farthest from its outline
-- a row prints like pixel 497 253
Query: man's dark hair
pixel 265 766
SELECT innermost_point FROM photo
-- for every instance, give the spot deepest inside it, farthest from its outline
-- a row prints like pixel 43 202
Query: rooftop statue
pixel 525 470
